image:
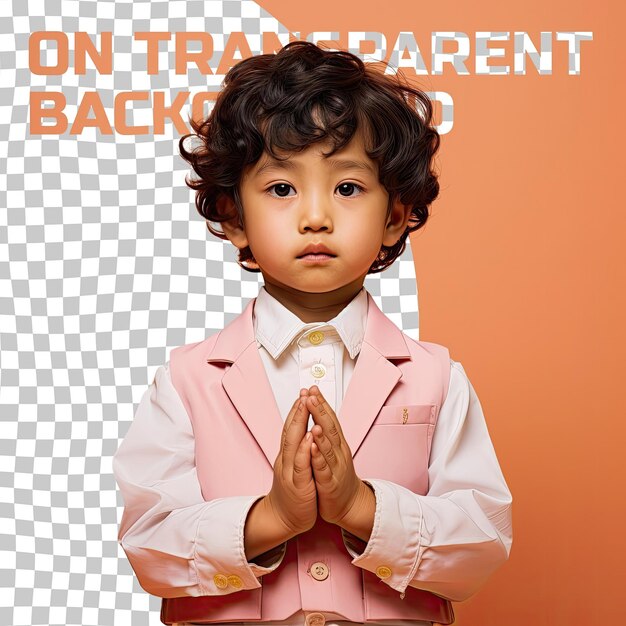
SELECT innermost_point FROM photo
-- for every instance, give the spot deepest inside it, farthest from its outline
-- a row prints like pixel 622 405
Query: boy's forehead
pixel 268 163
pixel 351 157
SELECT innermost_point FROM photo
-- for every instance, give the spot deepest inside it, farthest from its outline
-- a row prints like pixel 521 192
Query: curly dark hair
pixel 302 95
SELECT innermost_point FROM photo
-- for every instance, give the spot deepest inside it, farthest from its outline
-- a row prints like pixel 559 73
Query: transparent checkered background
pixel 105 265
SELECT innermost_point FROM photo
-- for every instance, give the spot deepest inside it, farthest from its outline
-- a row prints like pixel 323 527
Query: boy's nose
pixel 316 215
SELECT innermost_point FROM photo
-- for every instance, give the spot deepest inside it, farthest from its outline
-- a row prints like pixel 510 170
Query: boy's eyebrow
pixel 348 164
pixel 341 164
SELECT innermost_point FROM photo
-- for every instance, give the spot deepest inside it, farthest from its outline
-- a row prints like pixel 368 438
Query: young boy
pixel 311 464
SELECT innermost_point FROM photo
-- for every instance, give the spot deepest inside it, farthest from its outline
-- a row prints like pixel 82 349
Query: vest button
pixel 315 619
pixel 318 370
pixel 317 336
pixel 221 582
pixel 383 571
pixel 319 571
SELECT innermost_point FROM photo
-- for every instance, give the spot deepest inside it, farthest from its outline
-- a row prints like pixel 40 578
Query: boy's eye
pixel 348 187
pixel 282 189
pixel 345 189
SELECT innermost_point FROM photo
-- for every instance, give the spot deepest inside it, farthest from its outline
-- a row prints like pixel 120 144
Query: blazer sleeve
pixel 452 539
pixel 177 543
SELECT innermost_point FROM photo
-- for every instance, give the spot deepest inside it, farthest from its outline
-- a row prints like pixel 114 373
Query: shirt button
pixel 317 336
pixel 315 619
pixel 318 370
pixel 319 570
pixel 383 571
pixel 235 581
pixel 221 582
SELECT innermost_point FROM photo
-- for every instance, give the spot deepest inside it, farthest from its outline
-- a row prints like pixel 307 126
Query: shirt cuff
pixel 395 544
pixel 219 553
pixel 268 561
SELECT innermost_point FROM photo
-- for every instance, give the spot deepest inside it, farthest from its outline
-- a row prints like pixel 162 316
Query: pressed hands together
pixel 313 473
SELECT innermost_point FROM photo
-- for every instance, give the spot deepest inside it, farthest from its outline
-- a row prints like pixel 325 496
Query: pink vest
pixel 388 416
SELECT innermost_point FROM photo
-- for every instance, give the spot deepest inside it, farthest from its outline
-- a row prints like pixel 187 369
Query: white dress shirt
pixel 292 361
pixel 463 466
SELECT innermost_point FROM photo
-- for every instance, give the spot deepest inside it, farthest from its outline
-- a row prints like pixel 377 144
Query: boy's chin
pixel 320 288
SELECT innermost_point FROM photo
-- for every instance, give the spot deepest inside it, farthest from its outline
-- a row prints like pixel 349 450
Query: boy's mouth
pixel 316 250
pixel 316 258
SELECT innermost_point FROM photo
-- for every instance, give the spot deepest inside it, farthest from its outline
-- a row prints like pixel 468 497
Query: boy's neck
pixel 315 307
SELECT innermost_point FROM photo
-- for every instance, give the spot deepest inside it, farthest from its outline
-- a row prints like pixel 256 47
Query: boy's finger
pixel 321 470
pixel 302 472
pixel 325 447
pixel 292 412
pixel 324 415
pixel 294 434
pixel 288 420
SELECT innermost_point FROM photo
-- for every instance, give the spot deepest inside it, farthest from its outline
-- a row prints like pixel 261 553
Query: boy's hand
pixel 292 497
pixel 338 486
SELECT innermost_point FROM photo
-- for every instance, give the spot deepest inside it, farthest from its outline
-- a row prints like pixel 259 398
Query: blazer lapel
pixel 246 384
pixel 374 375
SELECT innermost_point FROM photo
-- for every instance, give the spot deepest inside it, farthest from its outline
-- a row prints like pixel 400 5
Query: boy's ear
pixel 397 222
pixel 232 227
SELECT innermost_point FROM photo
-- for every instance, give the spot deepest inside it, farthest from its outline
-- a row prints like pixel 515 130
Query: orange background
pixel 521 274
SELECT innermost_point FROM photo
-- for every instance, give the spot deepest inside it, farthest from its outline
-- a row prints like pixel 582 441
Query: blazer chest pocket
pixel 397 446
pixel 403 414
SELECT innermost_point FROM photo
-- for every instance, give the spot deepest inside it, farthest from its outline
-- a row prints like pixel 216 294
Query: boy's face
pixel 337 202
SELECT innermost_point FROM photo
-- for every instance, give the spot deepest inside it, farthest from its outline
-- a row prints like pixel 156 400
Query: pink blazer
pixel 388 417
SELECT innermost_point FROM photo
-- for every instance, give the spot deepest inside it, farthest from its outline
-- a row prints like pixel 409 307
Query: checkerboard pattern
pixel 105 265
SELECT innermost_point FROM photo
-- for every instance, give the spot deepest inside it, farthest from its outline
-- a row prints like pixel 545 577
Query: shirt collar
pixel 276 327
